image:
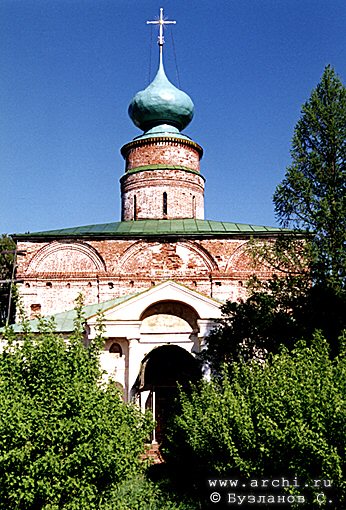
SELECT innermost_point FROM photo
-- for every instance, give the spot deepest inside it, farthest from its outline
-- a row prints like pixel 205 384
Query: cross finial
pixel 161 22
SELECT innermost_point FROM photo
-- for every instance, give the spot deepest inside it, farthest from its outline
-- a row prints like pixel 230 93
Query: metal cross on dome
pixel 161 22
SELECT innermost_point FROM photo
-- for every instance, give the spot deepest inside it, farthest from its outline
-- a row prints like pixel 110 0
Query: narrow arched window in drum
pixel 165 203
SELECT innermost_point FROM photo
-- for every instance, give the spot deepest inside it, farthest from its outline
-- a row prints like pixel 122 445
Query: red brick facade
pixel 162 151
pixel 162 180
pixel 55 272
pixel 163 194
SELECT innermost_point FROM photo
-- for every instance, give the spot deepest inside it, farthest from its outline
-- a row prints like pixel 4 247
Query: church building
pixel 160 274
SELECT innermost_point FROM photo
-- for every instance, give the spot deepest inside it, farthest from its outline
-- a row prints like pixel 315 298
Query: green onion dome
pixel 161 104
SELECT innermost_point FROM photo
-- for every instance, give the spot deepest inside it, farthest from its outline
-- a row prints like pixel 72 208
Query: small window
pixel 115 348
pixel 49 285
pixel 135 207
pixel 165 204
pixel 111 285
pixel 35 310
pixel 194 206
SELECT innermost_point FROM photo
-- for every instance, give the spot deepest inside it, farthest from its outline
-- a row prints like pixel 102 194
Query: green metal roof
pixel 64 321
pixel 157 228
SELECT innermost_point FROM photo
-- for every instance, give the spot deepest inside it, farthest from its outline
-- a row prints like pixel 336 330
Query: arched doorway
pixel 163 369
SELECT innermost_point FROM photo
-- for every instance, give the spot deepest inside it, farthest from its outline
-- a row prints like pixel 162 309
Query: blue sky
pixel 69 69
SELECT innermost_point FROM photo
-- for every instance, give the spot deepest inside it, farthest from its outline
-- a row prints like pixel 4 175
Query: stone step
pixel 152 453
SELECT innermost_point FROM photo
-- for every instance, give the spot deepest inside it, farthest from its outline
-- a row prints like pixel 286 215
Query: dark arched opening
pixel 164 204
pixel 135 207
pixel 115 348
pixel 164 368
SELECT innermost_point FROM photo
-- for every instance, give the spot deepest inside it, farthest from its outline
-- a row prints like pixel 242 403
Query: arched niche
pixel 155 259
pixel 65 257
pixel 113 360
pixel 115 349
pixel 168 317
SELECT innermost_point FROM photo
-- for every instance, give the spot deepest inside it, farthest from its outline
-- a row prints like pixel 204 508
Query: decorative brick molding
pixel 160 141
pixel 109 268
pixel 242 260
pixel 64 257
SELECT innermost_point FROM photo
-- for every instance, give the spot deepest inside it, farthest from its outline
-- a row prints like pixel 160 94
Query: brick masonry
pixel 173 192
pixel 55 272
pixel 142 195
pixel 162 152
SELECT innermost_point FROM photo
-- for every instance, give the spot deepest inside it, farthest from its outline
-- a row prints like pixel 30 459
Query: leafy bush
pixel 142 494
pixel 65 438
pixel 283 417
pixel 279 311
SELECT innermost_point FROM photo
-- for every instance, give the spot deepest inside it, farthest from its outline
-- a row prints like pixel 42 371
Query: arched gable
pixel 169 315
pixel 64 257
pixel 241 259
pixel 184 257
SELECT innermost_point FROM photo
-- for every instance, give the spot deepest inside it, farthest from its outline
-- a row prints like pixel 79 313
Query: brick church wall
pixel 55 272
pixel 143 195
pixel 162 179
pixel 161 153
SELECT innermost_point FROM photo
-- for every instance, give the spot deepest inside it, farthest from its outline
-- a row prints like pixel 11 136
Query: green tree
pixel 7 260
pixel 279 311
pixel 312 195
pixel 67 440
pixel 283 417
pixel 260 324
pixel 307 291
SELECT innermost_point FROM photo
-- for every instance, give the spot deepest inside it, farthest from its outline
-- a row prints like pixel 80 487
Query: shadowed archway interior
pixel 167 367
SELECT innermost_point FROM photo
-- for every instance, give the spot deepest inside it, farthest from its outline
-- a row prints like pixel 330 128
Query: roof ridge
pixel 187 226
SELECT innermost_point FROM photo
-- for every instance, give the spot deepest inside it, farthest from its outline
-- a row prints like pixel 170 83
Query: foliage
pixel 142 494
pixel 65 437
pixel 312 195
pixel 285 416
pixel 307 290
pixel 7 247
pixel 252 328
pixel 278 311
